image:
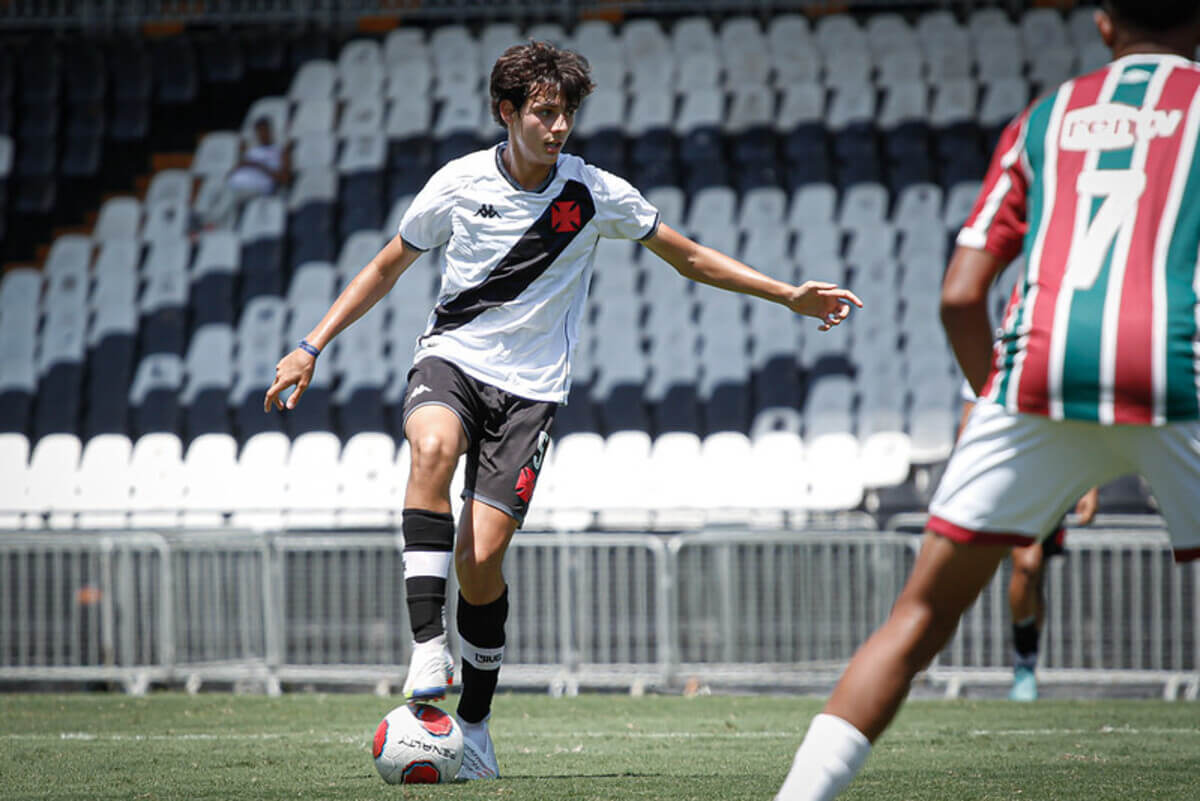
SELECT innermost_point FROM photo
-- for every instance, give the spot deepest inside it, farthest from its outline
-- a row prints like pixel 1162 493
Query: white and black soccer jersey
pixel 517 265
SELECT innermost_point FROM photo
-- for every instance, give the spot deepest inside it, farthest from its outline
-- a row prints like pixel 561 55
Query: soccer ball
pixel 418 744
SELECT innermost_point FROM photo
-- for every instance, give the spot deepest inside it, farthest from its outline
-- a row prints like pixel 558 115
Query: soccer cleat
pixel 479 756
pixel 1024 687
pixel 430 671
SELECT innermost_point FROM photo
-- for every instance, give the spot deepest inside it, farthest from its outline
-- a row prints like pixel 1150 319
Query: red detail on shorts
pixel 421 773
pixel 380 738
pixel 565 216
pixel 433 720
pixel 525 483
pixel 1186 555
pixel 968 537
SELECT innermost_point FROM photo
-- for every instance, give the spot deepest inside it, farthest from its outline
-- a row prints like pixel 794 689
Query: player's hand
pixel 828 302
pixel 295 369
pixel 1085 510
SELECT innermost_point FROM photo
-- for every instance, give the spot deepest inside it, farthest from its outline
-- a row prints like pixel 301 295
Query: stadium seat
pixel 14 467
pixel 312 481
pixel 361 167
pixel 102 486
pixel 259 493
pixel 210 479
pixel 154 394
pixel 52 466
pixel 372 477
pixel 360 70
pixel 216 155
pixel 794 54
pixel 261 232
pixel 781 478
pixel 120 218
pixel 212 278
pixel 312 211
pixel 162 304
pixel 316 79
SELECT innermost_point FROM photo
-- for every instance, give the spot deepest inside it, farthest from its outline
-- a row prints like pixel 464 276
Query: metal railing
pixel 755 609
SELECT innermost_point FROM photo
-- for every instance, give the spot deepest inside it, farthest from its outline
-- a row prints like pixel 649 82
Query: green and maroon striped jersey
pixel 1098 184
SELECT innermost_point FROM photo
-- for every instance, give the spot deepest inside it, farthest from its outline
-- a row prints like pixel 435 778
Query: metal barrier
pixel 1117 609
pixel 761 609
pixel 85 607
pixel 782 609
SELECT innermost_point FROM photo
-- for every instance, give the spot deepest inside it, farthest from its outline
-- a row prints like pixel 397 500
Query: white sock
pixel 831 755
pixel 477 733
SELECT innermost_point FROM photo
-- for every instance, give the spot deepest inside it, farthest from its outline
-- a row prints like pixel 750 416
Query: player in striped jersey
pixel 1097 373
pixel 520 223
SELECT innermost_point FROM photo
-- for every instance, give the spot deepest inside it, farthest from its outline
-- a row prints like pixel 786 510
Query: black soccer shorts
pixel 507 435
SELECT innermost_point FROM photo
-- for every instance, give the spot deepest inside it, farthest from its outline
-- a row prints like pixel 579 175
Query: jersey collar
pixel 499 151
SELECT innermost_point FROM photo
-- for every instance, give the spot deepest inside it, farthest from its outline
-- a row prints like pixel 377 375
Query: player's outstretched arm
pixel 363 292
pixel 827 302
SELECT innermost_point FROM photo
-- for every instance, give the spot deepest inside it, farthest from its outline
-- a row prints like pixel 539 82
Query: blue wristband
pixel 311 350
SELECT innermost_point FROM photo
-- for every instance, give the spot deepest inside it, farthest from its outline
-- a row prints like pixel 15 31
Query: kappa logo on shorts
pixel 525 482
pixel 418 391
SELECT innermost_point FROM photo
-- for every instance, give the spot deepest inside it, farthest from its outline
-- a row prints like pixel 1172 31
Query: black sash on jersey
pixel 531 256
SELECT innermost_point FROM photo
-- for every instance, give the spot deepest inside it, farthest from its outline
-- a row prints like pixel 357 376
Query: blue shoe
pixel 1024 687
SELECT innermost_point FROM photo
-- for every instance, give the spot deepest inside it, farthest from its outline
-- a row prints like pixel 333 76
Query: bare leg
pixel 484 533
pixel 437 439
pixel 945 581
pixel 1025 587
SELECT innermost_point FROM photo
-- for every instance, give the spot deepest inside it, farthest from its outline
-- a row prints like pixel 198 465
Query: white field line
pixel 565 736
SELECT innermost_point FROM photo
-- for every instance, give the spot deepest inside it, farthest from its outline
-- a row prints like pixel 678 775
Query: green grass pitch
pixel 313 746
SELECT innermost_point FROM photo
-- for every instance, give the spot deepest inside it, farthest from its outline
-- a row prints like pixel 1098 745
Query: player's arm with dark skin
pixel 965 310
pixel 827 302
pixel 366 289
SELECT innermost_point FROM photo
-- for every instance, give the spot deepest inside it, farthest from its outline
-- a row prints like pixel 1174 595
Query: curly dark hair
pixel 1154 16
pixel 522 70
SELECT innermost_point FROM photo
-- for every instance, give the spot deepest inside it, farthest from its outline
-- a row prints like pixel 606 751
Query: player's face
pixel 539 131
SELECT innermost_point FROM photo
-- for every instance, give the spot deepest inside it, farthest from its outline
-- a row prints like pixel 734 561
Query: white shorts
pixel 1013 476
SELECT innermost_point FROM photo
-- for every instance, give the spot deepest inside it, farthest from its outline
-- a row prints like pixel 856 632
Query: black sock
pixel 428 549
pixel 481 630
pixel 1025 641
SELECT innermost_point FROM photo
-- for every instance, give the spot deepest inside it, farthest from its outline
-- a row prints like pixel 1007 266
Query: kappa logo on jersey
pixel 487 211
pixel 1116 126
pixel 564 216
pixel 525 482
pixel 418 391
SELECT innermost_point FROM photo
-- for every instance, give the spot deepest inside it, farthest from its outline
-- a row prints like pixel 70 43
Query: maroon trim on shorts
pixel 1186 554
pixel 967 536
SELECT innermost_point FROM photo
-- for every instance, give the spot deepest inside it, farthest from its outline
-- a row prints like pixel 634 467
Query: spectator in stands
pixel 1025 600
pixel 519 222
pixel 263 169
pixel 1096 374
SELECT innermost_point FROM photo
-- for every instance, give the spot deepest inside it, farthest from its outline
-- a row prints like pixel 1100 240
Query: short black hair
pixel 1155 16
pixel 523 69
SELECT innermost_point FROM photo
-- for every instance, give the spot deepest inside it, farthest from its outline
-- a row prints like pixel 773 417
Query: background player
pixel 1097 373
pixel 520 223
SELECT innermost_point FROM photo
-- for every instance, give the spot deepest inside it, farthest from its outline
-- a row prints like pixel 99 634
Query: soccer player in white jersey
pixel 1097 373
pixel 519 223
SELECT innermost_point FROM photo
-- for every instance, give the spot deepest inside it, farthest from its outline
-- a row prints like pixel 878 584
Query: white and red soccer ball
pixel 418 744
